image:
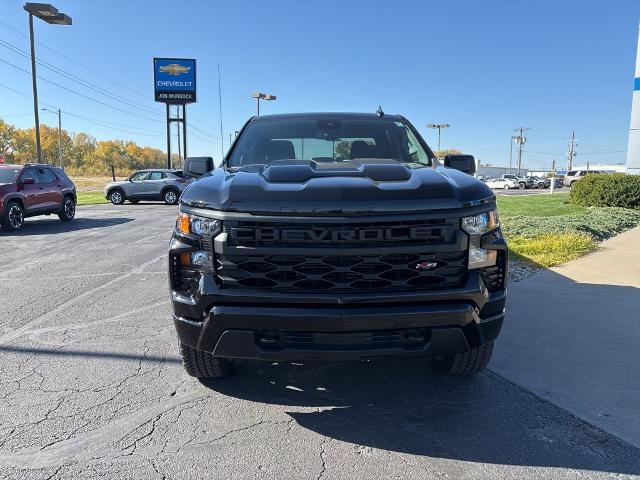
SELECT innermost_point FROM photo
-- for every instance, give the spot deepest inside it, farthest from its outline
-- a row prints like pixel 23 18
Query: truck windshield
pixel 326 139
pixel 8 175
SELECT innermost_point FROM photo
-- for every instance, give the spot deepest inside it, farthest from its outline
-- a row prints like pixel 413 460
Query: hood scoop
pixel 376 169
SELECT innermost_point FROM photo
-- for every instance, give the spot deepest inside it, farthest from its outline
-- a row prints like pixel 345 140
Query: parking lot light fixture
pixel 49 14
pixel 262 96
pixel 439 126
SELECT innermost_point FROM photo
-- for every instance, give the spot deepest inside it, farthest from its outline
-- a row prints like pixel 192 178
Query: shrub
pixel 607 190
pixel 598 223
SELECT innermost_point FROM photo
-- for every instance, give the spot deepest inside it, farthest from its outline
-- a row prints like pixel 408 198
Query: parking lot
pixel 530 191
pixel 92 386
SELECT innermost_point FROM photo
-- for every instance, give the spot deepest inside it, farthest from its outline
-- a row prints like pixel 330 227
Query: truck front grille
pixel 342 272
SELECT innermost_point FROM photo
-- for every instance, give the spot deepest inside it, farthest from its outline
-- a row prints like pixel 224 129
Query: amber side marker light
pixel 182 223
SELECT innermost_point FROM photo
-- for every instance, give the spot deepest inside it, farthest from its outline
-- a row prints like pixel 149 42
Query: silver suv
pixel 157 184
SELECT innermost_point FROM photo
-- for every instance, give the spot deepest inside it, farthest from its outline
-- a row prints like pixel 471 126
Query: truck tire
pixel 522 185
pixel 466 363
pixel 201 364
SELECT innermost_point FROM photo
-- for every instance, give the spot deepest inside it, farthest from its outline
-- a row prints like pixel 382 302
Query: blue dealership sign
pixel 174 80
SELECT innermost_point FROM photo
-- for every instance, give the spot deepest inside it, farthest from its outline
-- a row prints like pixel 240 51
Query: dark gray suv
pixel 156 184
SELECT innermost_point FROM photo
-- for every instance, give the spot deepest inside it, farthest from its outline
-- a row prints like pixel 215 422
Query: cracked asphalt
pixel 91 386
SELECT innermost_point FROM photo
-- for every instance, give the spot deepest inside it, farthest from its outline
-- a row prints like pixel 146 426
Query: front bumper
pixel 255 325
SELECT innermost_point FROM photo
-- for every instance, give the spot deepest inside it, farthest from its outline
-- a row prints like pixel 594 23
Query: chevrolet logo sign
pixel 174 69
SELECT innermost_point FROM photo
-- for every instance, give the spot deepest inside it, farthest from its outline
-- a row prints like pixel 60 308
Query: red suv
pixel 34 189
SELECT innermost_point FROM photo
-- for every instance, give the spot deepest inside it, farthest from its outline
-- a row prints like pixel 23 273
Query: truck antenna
pixel 380 112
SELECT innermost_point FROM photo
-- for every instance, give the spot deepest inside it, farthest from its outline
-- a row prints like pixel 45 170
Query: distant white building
pixel 633 151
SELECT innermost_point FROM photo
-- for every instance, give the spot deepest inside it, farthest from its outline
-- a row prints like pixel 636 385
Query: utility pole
pixel 513 137
pixel 553 178
pixel 59 113
pixel 520 140
pixel 572 149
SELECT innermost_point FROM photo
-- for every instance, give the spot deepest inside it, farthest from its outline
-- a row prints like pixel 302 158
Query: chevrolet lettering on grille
pixel 316 235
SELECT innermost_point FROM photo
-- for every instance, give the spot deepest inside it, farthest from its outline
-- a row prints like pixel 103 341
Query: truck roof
pixel 312 115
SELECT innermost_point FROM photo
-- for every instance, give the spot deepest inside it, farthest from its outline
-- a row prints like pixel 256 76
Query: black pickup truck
pixel 336 236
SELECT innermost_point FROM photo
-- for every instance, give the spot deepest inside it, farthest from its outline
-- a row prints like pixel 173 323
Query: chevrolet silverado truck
pixel 336 236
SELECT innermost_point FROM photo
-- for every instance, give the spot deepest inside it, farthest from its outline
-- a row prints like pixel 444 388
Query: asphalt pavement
pixel 91 386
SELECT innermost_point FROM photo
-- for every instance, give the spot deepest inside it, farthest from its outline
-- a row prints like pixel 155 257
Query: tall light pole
pixel 59 113
pixel 439 126
pixel 262 96
pixel 49 14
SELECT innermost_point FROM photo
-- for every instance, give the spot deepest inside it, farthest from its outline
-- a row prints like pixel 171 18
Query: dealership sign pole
pixel 174 83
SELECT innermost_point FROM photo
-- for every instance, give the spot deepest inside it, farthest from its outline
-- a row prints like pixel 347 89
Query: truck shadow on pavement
pixel 54 226
pixel 403 406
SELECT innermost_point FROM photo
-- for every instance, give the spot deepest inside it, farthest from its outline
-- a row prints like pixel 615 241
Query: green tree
pixel 7 140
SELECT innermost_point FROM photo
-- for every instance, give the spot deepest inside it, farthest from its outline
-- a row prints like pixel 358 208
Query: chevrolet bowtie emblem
pixel 174 69
pixel 426 265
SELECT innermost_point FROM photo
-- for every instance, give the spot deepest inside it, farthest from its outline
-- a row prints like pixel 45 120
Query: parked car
pixel 559 182
pixel 523 182
pixel 152 184
pixel 372 251
pixel 504 183
pixel 34 189
pixel 539 182
pixel 575 175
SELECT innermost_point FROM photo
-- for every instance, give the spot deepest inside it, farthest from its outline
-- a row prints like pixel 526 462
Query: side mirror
pixel 195 167
pixel 464 163
pixel 28 181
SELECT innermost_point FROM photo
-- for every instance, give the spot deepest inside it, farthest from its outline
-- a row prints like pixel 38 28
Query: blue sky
pixel 483 67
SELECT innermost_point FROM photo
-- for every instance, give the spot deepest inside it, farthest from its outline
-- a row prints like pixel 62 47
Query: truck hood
pixel 335 188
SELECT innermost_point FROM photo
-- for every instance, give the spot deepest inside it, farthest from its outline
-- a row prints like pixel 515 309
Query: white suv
pixel 575 175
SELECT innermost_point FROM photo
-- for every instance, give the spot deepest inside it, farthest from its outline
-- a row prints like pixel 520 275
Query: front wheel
pixel 116 197
pixel 68 210
pixel 170 197
pixel 506 187
pixel 201 364
pixel 13 218
pixel 467 363
pixel 522 185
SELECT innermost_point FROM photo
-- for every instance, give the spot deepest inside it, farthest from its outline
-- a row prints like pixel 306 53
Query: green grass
pixel 91 198
pixel 552 249
pixel 545 230
pixel 537 205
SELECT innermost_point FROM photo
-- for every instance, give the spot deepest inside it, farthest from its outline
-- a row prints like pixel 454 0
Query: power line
pixel 75 61
pixel 81 81
pixel 80 94
pixel 103 123
pixel 84 82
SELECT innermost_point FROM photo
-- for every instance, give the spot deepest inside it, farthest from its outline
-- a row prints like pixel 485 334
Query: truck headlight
pixel 201 260
pixel 476 226
pixel 198 225
pixel 481 223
